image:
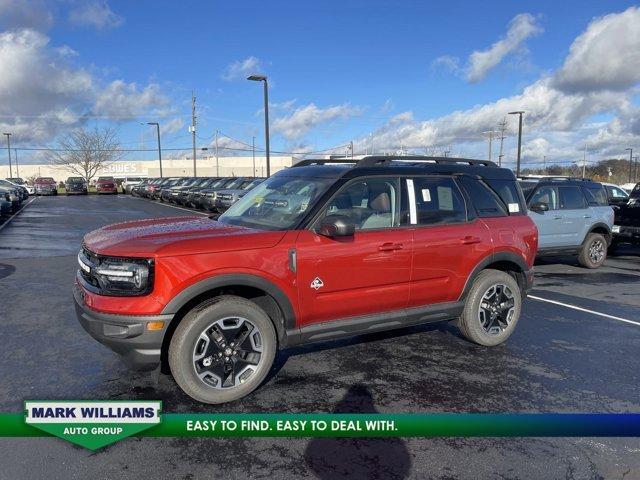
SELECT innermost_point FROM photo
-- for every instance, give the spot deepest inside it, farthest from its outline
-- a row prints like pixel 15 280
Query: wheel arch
pixel 508 262
pixel 601 228
pixel 264 293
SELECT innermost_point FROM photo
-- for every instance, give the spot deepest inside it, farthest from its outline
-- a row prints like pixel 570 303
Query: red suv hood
pixel 176 236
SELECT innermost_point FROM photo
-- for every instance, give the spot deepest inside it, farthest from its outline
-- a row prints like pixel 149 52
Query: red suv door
pixel 446 245
pixel 363 274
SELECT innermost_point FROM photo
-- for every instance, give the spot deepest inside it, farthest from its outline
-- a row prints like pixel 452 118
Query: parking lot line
pixel 586 310
pixel 7 222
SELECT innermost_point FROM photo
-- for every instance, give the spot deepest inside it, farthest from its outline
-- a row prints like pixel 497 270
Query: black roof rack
pixel 386 160
pixel 558 178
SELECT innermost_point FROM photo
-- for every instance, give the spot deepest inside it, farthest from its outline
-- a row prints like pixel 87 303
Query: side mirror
pixel 539 207
pixel 337 226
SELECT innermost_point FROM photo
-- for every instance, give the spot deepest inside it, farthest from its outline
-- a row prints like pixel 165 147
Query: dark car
pixel 626 228
pixel 315 253
pixel 21 183
pixel 167 190
pixel 5 205
pixel 46 186
pixel 227 197
pixel 154 189
pixel 76 186
pixel 138 189
pixel 194 196
pixel 182 198
pixel 11 195
pixel 22 191
pixel 208 197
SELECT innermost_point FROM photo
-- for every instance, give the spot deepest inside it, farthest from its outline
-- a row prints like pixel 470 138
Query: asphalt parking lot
pixel 560 359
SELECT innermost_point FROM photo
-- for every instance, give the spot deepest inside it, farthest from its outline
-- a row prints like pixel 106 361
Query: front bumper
pixel 623 233
pixel 46 190
pixel 127 335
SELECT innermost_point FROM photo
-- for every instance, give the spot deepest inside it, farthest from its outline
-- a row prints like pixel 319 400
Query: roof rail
pixel 558 178
pixel 415 160
pixel 324 161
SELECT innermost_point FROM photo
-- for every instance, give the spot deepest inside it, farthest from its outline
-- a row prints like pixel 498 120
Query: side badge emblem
pixel 317 284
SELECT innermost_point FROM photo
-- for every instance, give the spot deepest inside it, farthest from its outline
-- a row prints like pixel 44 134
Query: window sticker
pixel 514 208
pixel 445 198
pixel 426 195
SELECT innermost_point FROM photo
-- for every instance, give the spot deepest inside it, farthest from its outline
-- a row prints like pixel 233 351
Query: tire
pixel 594 251
pixel 497 330
pixel 187 340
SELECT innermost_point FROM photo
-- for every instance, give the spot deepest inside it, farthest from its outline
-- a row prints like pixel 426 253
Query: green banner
pixel 315 425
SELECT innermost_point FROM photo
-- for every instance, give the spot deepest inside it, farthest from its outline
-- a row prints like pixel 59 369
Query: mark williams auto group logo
pixel 92 424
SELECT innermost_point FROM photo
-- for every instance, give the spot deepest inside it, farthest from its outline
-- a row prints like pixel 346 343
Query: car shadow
pixel 369 458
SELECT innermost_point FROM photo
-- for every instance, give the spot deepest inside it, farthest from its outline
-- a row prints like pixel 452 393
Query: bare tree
pixel 85 152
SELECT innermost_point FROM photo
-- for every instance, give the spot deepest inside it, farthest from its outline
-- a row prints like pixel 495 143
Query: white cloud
pixel 605 57
pixel 173 125
pixel 520 28
pixel 121 100
pixel 447 63
pixel 241 69
pixel 96 14
pixel 43 93
pixel 303 119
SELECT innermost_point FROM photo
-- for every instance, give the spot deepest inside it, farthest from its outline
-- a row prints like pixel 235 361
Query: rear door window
pixel 571 198
pixel 438 200
pixel 548 195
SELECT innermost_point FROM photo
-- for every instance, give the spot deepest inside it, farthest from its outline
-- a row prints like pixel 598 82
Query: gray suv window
pixel 548 195
pixel 571 198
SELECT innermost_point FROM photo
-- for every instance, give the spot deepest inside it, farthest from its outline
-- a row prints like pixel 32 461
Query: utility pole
pixel 630 161
pixel 503 129
pixel 490 133
pixel 544 164
pixel 193 130
pixel 584 162
pixel 253 152
pixel 519 113
pixel 15 155
pixel 8 135
pixel 635 168
pixel 217 159
pixel 351 148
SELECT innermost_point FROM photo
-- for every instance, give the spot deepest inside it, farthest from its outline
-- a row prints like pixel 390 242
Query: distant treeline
pixel 612 171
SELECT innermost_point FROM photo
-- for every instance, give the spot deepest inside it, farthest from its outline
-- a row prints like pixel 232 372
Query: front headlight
pixel 212 195
pixel 116 276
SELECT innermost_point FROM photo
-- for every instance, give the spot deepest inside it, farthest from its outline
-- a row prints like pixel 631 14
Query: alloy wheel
pixel 596 251
pixel 227 352
pixel 497 309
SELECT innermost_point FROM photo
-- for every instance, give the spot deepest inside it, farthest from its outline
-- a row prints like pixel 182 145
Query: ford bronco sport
pixel 573 216
pixel 319 251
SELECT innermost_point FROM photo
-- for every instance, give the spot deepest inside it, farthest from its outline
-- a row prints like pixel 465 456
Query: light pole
pixel 9 151
pixel 157 125
pixel 630 160
pixel 519 112
pixel 253 154
pixel 15 156
pixel 262 78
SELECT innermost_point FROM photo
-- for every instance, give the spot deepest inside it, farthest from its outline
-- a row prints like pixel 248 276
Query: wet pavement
pixel 559 360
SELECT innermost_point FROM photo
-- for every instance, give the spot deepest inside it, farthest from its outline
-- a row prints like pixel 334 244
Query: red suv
pixel 106 185
pixel 319 251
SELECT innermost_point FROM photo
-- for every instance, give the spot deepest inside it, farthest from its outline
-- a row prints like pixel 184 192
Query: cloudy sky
pixel 420 76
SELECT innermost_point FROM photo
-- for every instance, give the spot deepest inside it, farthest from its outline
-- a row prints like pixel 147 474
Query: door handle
pixel 587 216
pixel 470 240
pixel 390 247
pixel 557 218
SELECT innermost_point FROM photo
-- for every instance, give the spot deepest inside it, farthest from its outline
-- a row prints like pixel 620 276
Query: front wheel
pixel 222 350
pixel 492 308
pixel 594 251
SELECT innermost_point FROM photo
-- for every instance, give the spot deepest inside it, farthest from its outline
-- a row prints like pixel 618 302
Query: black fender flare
pixel 600 225
pixel 488 260
pixel 235 279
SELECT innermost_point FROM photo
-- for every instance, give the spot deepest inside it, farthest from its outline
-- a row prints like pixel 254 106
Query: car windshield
pixel 18 181
pixel 105 179
pixel 276 204
pixel 46 180
pixel 75 179
pixel 133 179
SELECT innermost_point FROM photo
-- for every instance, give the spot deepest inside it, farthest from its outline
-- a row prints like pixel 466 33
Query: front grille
pixel 92 260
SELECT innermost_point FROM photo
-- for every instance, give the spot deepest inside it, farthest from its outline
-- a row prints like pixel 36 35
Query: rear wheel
pixel 594 251
pixel 222 350
pixel 492 308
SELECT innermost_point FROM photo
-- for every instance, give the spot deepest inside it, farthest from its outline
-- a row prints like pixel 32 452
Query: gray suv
pixel 573 217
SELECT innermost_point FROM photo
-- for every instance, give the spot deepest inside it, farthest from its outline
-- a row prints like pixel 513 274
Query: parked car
pixel 6 208
pixel 573 216
pixel 616 195
pixel 19 181
pixel 634 195
pixel 175 191
pixel 151 187
pixel 21 191
pixel 380 245
pixel 45 186
pixel 182 198
pixel 76 186
pixel 194 197
pixel 167 190
pixel 11 195
pixel 227 197
pixel 209 194
pixel 154 190
pixel 139 189
pixel 106 185
pixel 129 182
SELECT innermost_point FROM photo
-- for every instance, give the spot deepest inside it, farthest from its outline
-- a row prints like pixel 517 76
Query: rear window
pixel 507 190
pixel 596 196
pixel 105 179
pixel 486 203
